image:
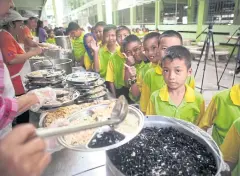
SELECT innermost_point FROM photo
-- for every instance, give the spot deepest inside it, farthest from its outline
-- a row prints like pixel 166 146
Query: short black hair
pixel 109 27
pixel 151 35
pixel 33 18
pixel 129 39
pixel 178 52
pixel 100 23
pixel 121 28
pixel 171 33
pixel 72 26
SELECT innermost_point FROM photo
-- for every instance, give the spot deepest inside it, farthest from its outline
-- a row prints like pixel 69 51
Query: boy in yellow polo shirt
pixel 98 32
pixel 51 37
pixel 176 99
pixel 77 35
pixel 108 49
pixel 153 79
pixel 231 148
pixel 115 69
pixel 150 45
pixel 222 111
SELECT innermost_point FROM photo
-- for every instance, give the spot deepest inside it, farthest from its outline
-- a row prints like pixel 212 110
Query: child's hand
pixel 94 46
pixel 130 59
pixel 131 70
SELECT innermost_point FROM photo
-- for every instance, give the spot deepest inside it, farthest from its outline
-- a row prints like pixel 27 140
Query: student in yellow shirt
pixel 122 33
pixel 231 148
pixel 108 49
pixel 115 70
pixel 77 35
pixel 51 37
pixel 176 99
pixel 91 59
pixel 150 45
pixel 222 111
pixel 98 32
pixel 153 79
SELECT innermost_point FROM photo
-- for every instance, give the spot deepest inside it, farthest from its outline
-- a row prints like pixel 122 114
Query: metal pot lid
pixel 82 77
pixel 104 138
pixel 45 74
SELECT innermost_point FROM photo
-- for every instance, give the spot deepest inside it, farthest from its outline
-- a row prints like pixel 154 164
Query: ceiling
pixel 34 6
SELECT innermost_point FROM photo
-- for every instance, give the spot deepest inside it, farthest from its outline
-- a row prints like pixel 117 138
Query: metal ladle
pixel 118 114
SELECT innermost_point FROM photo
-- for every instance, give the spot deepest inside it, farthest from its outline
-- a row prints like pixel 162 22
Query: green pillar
pixel 132 16
pixel 236 19
pixel 202 13
pixel 161 10
pixel 157 13
pixel 191 11
pixel 99 11
pixel 55 12
pixel 115 13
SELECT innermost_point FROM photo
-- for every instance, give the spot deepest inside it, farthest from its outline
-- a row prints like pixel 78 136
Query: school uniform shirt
pixel 9 51
pixel 51 40
pixel 153 80
pixel 78 47
pixel 222 111
pixel 141 70
pixel 191 109
pixel 88 63
pixel 116 70
pixel 104 56
pixel 231 147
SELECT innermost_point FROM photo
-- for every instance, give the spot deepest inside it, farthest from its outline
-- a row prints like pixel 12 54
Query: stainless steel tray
pixel 46 74
pixel 133 113
pixel 184 127
pixel 88 85
pixel 82 77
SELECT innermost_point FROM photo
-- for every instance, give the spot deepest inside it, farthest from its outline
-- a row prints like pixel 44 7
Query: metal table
pixel 72 163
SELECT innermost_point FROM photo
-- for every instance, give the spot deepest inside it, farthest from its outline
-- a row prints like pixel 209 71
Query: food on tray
pixel 105 139
pixel 97 90
pixel 82 77
pixel 81 138
pixel 38 73
pixel 65 112
pixel 129 125
pixel 97 95
pixel 37 57
pixel 44 73
pixel 163 151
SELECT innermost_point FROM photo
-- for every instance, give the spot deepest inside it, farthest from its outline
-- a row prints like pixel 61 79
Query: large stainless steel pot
pixel 57 53
pixel 64 42
pixel 64 64
pixel 184 127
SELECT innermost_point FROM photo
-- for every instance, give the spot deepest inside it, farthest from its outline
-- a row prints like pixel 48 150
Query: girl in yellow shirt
pixel 91 59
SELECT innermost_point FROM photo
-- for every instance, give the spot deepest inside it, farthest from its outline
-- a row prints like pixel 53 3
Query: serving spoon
pixel 118 114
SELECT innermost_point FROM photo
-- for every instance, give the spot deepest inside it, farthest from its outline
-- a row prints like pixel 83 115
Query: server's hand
pixel 22 153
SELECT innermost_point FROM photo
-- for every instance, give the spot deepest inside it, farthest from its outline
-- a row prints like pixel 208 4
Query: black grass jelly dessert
pixel 163 151
pixel 105 139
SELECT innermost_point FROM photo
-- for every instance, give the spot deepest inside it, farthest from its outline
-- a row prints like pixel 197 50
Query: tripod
pixel 208 40
pixel 237 44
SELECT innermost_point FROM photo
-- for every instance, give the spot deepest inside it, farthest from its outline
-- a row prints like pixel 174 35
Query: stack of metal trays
pixel 45 78
pixel 89 84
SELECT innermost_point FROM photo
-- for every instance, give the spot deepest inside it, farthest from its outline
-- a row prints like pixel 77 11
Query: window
pixel 145 14
pixel 123 17
pixel 221 11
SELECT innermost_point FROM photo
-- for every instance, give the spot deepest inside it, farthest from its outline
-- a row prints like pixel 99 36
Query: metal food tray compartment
pixel 82 77
pixel 50 74
pixel 85 113
pixel 88 85
pixel 182 126
pixel 74 94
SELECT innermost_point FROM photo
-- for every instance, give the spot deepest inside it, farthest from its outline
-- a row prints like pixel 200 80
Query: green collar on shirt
pixel 189 94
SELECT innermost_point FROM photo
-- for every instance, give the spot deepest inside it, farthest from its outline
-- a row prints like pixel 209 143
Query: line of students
pixel 163 85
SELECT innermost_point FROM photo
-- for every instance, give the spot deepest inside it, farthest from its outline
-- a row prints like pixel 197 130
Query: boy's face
pixel 52 34
pixel 151 50
pixel 175 73
pixel 99 33
pixel 110 37
pixel 121 36
pixel 134 49
pixel 167 42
